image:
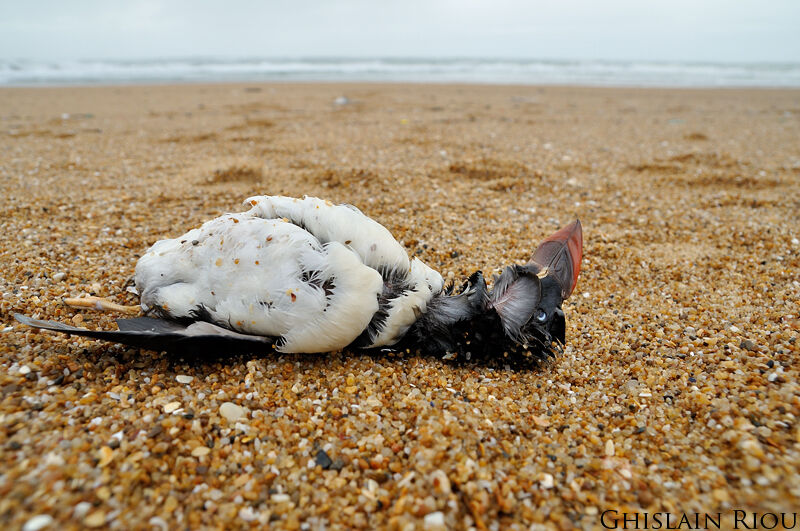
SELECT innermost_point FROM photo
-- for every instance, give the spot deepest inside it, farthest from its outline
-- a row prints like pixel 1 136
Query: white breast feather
pixel 337 223
pixel 374 244
pixel 247 272
pixel 352 304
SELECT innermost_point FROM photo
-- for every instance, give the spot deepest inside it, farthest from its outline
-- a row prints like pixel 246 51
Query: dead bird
pixel 305 275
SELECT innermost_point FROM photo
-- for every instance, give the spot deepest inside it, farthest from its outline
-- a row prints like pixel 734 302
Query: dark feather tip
pixel 163 335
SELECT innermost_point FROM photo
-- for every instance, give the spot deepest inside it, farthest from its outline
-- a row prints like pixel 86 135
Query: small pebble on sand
pixel 231 411
pixel 200 451
pixel 610 448
pixel 95 519
pixel 434 522
pixel 322 459
pixel 106 456
pixel 81 509
pixel 38 522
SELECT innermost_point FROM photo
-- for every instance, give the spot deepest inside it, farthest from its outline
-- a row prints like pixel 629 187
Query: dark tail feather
pixel 160 335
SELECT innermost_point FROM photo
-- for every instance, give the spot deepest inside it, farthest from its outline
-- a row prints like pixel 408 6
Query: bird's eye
pixel 541 315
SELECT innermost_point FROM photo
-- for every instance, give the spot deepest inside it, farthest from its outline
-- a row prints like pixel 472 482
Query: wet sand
pixel 677 392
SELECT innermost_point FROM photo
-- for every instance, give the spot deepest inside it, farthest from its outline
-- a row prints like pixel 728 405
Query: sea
pixel 462 70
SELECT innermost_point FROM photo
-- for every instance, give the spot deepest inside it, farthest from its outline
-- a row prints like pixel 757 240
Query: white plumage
pixel 305 270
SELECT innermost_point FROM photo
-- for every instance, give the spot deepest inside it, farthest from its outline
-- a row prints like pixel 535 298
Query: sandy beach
pixel 677 391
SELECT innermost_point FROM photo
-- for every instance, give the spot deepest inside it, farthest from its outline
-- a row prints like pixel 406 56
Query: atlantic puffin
pixel 304 275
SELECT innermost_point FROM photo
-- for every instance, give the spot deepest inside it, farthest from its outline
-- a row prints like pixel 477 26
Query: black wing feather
pixel 161 334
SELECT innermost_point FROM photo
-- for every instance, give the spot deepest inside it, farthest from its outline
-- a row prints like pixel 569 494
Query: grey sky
pixel 693 30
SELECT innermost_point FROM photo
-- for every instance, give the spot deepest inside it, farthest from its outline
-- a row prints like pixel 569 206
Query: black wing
pixel 160 334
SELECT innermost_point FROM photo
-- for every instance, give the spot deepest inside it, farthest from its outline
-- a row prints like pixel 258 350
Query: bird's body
pixel 306 275
pixel 303 270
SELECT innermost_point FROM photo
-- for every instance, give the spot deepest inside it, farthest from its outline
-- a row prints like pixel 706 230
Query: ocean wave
pixel 601 73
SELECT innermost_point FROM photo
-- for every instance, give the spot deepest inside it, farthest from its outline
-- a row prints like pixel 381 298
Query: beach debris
pixel 101 304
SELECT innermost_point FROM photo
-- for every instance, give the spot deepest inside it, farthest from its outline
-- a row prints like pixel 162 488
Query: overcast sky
pixel 687 30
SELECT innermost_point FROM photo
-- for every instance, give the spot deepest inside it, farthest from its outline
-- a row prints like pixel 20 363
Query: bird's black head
pixel 528 303
pixel 519 319
pixel 548 317
pixel 521 315
pixel 528 298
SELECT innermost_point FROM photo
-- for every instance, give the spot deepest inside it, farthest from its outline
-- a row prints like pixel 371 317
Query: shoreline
pixel 587 72
pixel 442 83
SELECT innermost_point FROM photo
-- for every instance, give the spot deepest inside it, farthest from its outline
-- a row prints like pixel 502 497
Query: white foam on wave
pixel 602 73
